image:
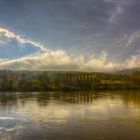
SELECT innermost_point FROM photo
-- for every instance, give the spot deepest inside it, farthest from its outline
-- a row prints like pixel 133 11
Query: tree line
pixel 47 81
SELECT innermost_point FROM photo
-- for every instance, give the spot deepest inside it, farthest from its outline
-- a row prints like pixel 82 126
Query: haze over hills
pixel 123 71
pixel 128 71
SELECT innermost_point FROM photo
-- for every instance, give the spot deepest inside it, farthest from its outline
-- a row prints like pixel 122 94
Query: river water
pixel 86 115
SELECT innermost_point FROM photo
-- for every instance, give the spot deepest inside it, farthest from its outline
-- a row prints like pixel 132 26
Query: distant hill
pixel 34 74
pixel 128 71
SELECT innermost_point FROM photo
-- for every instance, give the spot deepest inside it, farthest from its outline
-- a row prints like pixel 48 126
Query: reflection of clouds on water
pixel 54 114
pixel 104 109
pixel 10 129
pixel 8 126
pixel 7 118
pixel 60 107
pixel 101 109
pixel 46 113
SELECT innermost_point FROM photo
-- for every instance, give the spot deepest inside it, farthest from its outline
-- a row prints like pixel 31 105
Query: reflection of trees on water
pixel 13 99
pixel 69 97
pixel 43 98
pixel 130 97
pixel 7 100
pixel 89 96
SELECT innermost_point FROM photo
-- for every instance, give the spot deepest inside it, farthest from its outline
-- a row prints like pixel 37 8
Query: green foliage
pixel 47 81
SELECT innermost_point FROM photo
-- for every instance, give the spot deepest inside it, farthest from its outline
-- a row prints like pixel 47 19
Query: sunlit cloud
pixel 133 61
pixel 10 35
pixel 61 60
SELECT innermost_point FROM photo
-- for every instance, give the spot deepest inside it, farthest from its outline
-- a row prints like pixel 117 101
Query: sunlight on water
pixel 72 115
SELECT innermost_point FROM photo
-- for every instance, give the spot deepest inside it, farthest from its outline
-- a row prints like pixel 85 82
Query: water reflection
pixel 43 98
pixel 70 115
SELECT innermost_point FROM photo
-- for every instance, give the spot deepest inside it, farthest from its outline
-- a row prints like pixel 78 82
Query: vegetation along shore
pixel 65 81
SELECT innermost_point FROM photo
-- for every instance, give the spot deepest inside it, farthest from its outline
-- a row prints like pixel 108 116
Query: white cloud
pixel 61 60
pixel 10 35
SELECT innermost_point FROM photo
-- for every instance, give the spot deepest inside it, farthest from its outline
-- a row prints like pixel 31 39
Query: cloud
pixel 133 38
pixel 133 61
pixel 60 60
pixel 10 35
pixel 116 13
pixel 55 60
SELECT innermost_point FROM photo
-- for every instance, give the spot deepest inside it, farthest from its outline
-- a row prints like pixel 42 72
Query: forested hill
pixel 49 80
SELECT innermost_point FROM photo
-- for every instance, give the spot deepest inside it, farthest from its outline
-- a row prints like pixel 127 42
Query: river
pixel 85 115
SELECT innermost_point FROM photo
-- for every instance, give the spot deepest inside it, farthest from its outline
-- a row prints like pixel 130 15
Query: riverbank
pixel 67 81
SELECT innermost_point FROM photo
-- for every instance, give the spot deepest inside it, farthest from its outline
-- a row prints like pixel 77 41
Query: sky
pixel 83 35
